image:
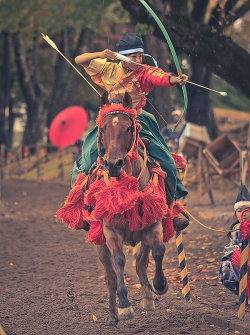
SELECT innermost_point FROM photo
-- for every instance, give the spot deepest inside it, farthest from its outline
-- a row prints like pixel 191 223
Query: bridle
pixel 131 154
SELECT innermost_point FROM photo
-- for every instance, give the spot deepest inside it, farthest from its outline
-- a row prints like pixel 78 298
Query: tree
pixel 198 31
pixel 46 91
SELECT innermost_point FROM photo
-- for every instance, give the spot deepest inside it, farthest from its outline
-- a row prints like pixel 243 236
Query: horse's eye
pixel 129 129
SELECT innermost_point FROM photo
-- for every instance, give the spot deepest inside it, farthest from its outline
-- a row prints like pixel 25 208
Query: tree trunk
pixel 217 52
pixel 5 92
pixel 200 105
pixel 65 77
pixel 33 92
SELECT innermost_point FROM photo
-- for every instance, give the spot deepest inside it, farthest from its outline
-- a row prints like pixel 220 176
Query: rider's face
pixel 239 213
pixel 135 57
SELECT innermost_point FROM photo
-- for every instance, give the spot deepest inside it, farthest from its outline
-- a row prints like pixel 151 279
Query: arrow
pixel 54 46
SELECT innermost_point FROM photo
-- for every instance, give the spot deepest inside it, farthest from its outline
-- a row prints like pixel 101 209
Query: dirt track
pixel 51 282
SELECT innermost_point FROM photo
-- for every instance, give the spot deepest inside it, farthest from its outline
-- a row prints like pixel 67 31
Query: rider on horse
pixel 118 78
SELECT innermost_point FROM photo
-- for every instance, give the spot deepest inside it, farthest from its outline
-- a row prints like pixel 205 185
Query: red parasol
pixel 68 126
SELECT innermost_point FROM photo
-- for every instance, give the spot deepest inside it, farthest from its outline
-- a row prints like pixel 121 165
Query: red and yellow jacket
pixel 113 78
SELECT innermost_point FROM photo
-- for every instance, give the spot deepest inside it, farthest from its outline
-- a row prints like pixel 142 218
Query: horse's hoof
pixel 148 304
pixel 126 313
pixel 112 322
pixel 160 290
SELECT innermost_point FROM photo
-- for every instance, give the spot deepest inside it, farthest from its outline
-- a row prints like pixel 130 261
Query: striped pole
pixel 245 233
pixel 183 266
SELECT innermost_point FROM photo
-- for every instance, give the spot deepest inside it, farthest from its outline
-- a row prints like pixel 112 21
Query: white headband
pixel 241 204
pixel 130 51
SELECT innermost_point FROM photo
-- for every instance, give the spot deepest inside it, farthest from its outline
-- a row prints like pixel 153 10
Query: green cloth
pixel 157 150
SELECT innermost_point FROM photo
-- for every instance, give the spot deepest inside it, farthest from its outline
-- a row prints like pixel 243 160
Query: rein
pixel 136 128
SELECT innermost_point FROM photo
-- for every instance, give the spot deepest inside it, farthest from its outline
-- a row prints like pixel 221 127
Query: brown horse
pixel 117 134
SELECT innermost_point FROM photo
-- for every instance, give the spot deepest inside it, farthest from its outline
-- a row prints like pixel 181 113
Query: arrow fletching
pixel 123 58
pixel 49 41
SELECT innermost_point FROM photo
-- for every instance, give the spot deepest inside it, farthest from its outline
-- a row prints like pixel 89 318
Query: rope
pixel 203 225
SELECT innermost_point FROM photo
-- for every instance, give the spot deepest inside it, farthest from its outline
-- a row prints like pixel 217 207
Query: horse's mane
pixel 105 109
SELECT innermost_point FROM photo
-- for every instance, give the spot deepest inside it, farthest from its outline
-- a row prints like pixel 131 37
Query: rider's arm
pixel 155 77
pixel 86 58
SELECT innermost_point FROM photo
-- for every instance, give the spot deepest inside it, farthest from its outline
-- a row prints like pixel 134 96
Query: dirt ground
pixel 51 282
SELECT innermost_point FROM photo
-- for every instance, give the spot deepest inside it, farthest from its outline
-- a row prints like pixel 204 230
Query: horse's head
pixel 117 132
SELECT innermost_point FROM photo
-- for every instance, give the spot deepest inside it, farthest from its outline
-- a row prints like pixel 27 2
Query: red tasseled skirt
pixel 137 209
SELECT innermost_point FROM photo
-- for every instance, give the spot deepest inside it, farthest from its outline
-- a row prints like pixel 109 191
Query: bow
pixel 173 52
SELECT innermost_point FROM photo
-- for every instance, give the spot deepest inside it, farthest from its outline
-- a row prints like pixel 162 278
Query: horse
pixel 118 135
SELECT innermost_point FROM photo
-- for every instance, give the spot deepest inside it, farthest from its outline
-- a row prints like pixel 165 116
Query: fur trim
pixel 239 204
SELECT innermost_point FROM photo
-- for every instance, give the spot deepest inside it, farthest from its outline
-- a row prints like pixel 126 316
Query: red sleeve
pixel 150 78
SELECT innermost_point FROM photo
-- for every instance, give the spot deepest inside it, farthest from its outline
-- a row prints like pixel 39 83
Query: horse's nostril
pixel 119 163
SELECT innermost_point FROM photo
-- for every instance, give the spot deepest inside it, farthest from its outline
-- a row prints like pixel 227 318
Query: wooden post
pixel 200 170
pixel 19 158
pixel 26 152
pixel 207 179
pixel 245 160
pixel 44 159
pixel 2 154
pixel 8 163
pixel 61 163
pixel 2 161
pixel 38 160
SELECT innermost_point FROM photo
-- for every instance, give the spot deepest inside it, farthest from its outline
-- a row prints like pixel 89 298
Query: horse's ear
pixel 105 99
pixel 127 101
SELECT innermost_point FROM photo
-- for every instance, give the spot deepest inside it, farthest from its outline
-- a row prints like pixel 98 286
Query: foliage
pixel 50 15
pixel 143 29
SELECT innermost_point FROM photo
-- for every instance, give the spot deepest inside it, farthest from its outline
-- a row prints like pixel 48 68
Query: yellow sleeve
pixel 96 66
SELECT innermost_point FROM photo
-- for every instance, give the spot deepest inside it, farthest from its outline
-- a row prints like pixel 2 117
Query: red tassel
pixel 131 219
pixel 168 227
pixel 114 198
pixel 154 205
pixel 95 187
pixel 95 234
pixel 177 208
pixel 72 211
pixel 180 161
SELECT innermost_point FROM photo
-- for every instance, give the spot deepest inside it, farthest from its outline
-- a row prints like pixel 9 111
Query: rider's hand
pixel 179 80
pixel 107 54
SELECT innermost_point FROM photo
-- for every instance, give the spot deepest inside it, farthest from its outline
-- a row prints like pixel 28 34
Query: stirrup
pixel 182 222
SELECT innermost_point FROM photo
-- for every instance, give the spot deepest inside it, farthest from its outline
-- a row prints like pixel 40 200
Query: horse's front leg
pixel 141 270
pixel 114 241
pixel 111 281
pixel 154 238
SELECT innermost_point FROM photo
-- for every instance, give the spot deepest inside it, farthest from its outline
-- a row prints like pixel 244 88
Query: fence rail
pixel 40 161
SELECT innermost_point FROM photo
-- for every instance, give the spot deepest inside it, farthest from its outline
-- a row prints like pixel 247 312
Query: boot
pixel 181 221
pixel 180 218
